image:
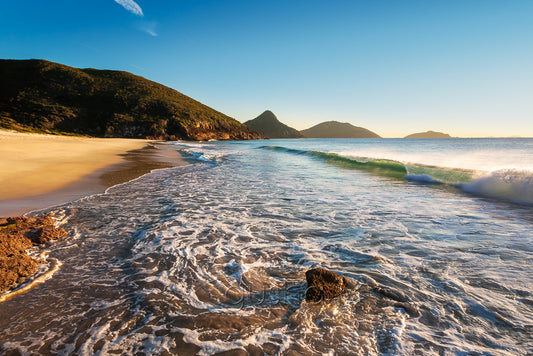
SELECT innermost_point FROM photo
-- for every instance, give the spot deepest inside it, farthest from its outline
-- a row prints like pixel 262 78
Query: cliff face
pixel 428 134
pixel 268 125
pixel 335 129
pixel 42 96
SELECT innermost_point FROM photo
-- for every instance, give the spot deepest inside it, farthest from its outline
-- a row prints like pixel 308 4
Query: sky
pixel 464 67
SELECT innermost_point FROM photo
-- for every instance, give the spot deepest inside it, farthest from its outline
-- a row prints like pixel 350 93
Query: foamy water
pixel 211 257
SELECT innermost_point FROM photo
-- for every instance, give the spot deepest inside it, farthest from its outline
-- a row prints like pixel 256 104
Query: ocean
pixel 436 236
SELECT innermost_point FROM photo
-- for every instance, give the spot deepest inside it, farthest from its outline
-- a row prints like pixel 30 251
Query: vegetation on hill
pixel 42 96
pixel 268 125
pixel 428 134
pixel 335 129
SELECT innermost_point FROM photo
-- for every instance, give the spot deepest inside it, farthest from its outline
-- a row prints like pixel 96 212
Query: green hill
pixel 268 125
pixel 335 129
pixel 42 96
pixel 428 134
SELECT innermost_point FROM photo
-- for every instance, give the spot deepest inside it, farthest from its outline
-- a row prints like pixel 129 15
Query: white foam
pixel 259 337
pixel 506 184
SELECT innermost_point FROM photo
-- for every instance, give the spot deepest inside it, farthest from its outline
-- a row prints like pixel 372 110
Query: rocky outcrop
pixel 17 235
pixel 323 284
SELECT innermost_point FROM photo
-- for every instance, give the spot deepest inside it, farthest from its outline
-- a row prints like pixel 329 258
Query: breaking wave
pixel 509 184
pixel 506 184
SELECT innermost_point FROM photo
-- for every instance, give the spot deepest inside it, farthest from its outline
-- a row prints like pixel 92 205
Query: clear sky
pixel 464 67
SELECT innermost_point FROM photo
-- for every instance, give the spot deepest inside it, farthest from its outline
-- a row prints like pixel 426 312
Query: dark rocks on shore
pixel 16 235
pixel 323 284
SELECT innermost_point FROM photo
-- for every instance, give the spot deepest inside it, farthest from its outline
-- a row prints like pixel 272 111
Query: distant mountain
pixel 42 96
pixel 428 134
pixel 268 125
pixel 335 129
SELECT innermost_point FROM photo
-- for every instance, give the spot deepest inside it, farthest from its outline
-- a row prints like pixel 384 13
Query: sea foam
pixel 514 185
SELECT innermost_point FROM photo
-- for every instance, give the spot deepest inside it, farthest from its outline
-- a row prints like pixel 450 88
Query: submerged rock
pixel 323 284
pixel 17 235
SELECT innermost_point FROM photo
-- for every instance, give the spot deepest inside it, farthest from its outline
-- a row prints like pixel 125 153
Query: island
pixel 428 134
pixel 335 129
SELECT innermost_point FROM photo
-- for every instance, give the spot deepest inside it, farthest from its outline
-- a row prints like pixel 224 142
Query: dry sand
pixel 37 171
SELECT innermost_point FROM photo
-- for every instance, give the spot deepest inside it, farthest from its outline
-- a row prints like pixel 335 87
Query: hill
pixel 42 96
pixel 428 134
pixel 335 129
pixel 268 125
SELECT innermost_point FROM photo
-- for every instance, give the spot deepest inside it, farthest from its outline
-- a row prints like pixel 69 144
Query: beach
pixel 40 171
pixel 211 257
pixel 44 170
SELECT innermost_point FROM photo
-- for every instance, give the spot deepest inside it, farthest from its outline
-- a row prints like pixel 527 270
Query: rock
pixel 16 235
pixel 45 233
pixel 323 285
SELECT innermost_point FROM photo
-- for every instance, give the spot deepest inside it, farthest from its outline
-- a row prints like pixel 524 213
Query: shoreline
pixel 120 167
pixel 39 178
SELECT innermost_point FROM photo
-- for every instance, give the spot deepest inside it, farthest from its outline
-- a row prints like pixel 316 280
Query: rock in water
pixel 323 285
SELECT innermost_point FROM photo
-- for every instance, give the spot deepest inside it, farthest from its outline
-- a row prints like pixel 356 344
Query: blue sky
pixel 393 66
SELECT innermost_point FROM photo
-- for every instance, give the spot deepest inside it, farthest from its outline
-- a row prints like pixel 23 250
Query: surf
pixel 508 184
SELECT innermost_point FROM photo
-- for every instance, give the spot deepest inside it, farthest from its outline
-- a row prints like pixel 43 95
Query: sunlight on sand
pixel 34 164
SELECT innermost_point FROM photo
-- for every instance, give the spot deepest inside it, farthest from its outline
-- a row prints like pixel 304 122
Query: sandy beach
pixel 44 170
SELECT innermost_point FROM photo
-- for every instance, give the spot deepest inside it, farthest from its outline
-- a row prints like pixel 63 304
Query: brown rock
pixel 16 235
pixel 323 285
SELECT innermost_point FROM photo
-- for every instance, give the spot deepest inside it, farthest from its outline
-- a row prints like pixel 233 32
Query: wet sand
pixel 42 170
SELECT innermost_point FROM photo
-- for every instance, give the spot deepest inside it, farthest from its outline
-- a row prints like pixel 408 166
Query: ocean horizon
pixel 435 236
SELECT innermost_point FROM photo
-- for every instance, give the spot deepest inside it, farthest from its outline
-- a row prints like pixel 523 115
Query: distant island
pixel 47 97
pixel 335 129
pixel 428 134
pixel 268 125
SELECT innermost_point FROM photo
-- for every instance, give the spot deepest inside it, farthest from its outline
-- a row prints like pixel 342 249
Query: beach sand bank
pixel 38 171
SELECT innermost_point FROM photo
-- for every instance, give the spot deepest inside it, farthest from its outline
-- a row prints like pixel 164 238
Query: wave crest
pixel 511 184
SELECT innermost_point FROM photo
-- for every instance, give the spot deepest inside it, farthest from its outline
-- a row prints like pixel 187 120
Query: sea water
pixel 435 237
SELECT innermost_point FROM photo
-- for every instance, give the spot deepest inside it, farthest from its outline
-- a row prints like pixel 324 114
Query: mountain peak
pixel 268 125
pixel 267 115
